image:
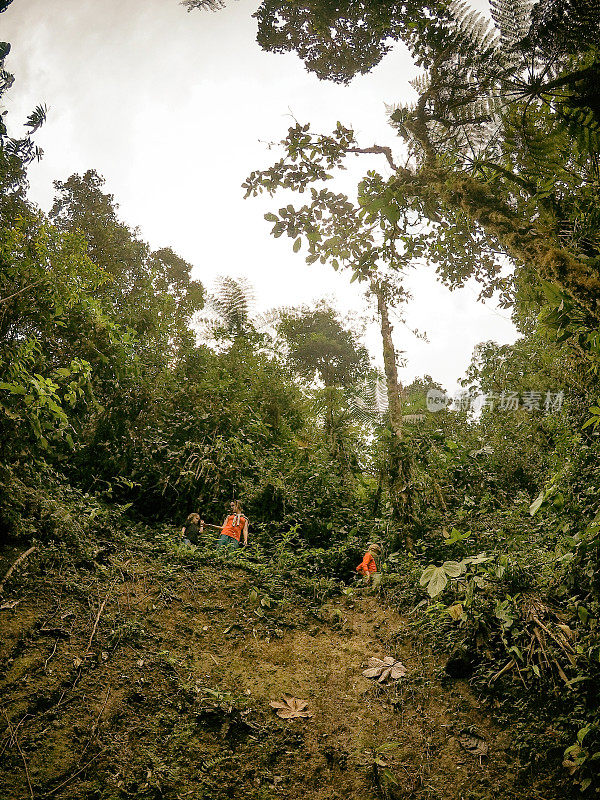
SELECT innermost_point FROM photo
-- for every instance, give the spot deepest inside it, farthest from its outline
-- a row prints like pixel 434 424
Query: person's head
pixel 374 549
pixel 235 507
pixel 193 518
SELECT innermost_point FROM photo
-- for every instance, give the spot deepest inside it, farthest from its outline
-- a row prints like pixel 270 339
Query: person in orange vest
pixel 368 566
pixel 234 528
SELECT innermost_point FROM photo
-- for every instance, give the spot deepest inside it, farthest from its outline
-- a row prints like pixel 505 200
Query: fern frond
pixel 211 763
pixel 512 18
pixel 232 301
pixel 371 402
pixel 581 117
pixel 203 5
pixel 421 83
pixel 474 27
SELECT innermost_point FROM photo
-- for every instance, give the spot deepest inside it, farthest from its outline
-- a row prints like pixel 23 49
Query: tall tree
pixel 338 39
pixel 503 140
pixel 152 292
pixel 374 246
pixel 320 346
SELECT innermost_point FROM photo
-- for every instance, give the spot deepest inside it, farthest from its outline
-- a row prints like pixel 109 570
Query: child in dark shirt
pixel 192 529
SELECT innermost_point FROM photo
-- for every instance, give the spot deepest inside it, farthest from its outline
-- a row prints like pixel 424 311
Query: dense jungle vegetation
pixel 130 396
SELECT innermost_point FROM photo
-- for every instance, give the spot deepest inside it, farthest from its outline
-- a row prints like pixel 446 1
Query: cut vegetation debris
pixel 473 742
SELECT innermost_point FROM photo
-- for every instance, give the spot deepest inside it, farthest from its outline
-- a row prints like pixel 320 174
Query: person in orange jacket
pixel 234 528
pixel 368 566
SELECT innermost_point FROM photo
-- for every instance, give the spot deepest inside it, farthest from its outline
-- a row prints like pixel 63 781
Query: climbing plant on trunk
pixel 399 466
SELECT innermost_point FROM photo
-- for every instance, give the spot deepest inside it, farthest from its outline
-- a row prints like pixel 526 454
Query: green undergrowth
pixel 508 598
pixel 141 668
pixel 514 602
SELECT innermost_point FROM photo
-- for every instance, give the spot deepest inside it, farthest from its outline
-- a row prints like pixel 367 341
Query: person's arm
pixel 245 533
pixel 201 526
pixel 183 532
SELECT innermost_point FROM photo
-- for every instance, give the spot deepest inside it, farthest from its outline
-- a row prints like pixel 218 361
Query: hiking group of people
pixel 234 531
pixel 234 534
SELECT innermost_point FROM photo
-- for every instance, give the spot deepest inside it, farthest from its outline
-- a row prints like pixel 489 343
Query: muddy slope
pixel 153 680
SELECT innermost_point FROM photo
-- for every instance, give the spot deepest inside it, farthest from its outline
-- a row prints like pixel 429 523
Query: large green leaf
pixel 14 388
pixel 452 568
pixel 435 578
pixel 427 573
pixel 438 582
pixel 537 503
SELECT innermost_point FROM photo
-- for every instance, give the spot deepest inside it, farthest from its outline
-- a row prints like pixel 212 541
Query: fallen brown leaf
pixel 290 707
pixel 384 669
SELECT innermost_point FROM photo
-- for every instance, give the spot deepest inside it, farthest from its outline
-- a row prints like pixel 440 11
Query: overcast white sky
pixel 174 109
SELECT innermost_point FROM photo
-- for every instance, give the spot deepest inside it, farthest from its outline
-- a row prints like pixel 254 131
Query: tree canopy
pixel 318 345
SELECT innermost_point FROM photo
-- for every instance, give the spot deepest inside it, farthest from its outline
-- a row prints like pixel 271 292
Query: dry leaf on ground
pixel 290 707
pixel 384 669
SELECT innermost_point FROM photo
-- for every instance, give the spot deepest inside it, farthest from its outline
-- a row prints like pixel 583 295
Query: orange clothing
pixel 367 565
pixel 234 525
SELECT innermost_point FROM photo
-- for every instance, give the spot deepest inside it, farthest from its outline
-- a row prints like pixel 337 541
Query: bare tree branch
pixel 24 289
pixel 22 557
pixel 379 150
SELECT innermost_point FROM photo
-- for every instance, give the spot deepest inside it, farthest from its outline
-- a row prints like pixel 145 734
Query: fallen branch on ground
pixel 98 615
pixel 22 557
pixel 14 740
pixel 75 774
pixel 505 668
pixel 46 662
pixel 95 726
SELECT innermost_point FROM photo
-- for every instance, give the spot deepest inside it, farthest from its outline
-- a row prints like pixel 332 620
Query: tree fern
pixel 233 300
pixel 370 403
pixel 204 5
pixel 512 18
pixel 230 306
pixel 486 70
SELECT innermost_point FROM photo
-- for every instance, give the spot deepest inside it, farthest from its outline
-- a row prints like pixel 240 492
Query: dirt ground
pixel 153 680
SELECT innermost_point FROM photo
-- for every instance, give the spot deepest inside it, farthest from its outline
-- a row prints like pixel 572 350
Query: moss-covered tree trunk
pixel 535 242
pixel 398 468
